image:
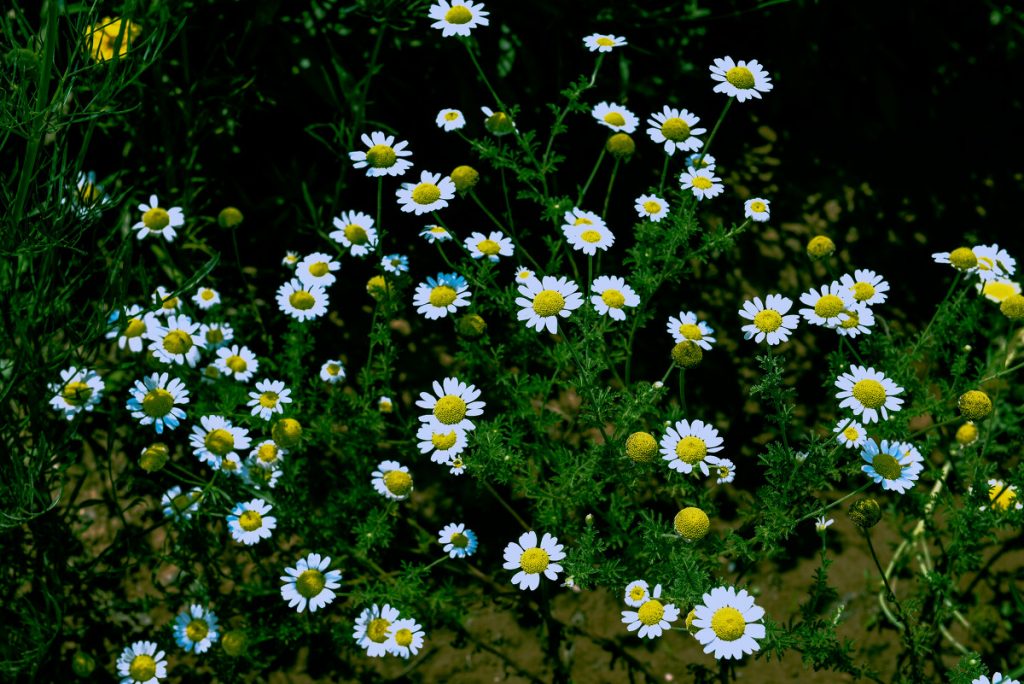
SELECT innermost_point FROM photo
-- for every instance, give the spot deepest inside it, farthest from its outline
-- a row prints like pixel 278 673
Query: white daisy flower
pixel 700 161
pixel 355 232
pixel 215 438
pixel 248 522
pixel 615 117
pixel 498 123
pixel 79 389
pixel 578 217
pixel 769 320
pixel 742 80
pixel 651 207
pixel 675 129
pixel 206 298
pixel 437 297
pixel 159 221
pixel 997 678
pixel 291 259
pixel 332 371
pixel 302 302
pixel 176 341
pixel 317 269
pixel 450 120
pixel 456 466
pixel 442 443
pixel 165 301
pixel 382 156
pixel 895 468
pixel 255 474
pixel 430 194
pixel 267 454
pixel 458 18
pixel 826 305
pixel 406 637
pixel 599 42
pixel 704 184
pixel 457 540
pixel 531 559
pixel 962 259
pixel 544 301
pixel 384 405
pixel 268 399
pixel 687 444
pixel 725 470
pixel 757 209
pixel 154 400
pixel 237 362
pixel 141 663
pixel 435 234
pixel 524 275
pixel 308 584
pixel 867 287
pixel 850 433
pixel 855 320
pixel 373 629
pixel 195 629
pixel 132 331
pixel 231 464
pixel 1001 496
pixel 216 335
pixel 611 294
pixel 589 239
pixel 994 290
pixel 395 263
pixel 728 623
pixel 178 506
pixel 637 593
pixel 867 393
pixel 994 263
pixel 687 328
pixel 652 618
pixel 821 524
pixel 492 246
pixel 451 405
pixel 392 480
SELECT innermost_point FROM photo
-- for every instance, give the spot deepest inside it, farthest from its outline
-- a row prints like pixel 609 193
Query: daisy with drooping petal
pixel 256 475
pixel 384 404
pixel 700 161
pixel 442 443
pixel 406 638
pixel 687 444
pixel 826 305
pixel 544 301
pixel 195 629
pixel 725 470
pixel 610 295
pixel 79 389
pixel 994 263
pixel 130 329
pixel 687 328
pixel 457 540
pixel 675 129
pixel 154 399
pixel 704 184
pixel 308 584
pixel 141 663
pixel 994 290
pixel 317 269
pixel 589 238
pixel 769 320
pixel 166 302
pixel 524 275
pixel 890 466
pixel 450 120
pixel 451 405
pixel 615 117
pixel 728 623
pixel 88 197
pixel 178 506
pixel 435 234
pixel 216 335
pixel 215 438
pixel 267 454
pixel 867 287
pixel 651 207
pixel 637 593
pixel 498 123
pixel 355 232
pixel 332 371
pixel 290 259
pixel 430 194
pixel 578 217
pixel 458 18
pixel 757 209
pixel 531 559
pixel 855 320
pixel 867 393
pixel 373 629
pixel 301 302
pixel 395 263
pixel 457 465
pixel 159 221
pixel 599 42
pixel 206 298
pixel 821 524
pixel 1001 496
pixel 850 433
pixel 248 521
pixel 382 157
pixel 176 341
pixel 437 297
pixel 492 246
pixel 392 480
pixel 997 678
pixel 652 618
pixel 742 80
pixel 269 398
pixel 237 362
pixel 962 259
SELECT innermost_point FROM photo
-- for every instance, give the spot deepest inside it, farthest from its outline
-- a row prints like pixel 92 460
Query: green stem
pixel 1009 370
pixel 891 597
pixel 565 110
pixel 608 192
pixel 504 504
pixel 707 145
pixel 824 509
pixel 380 226
pixel 590 179
pixel 500 227
pixel 682 389
pixel 664 174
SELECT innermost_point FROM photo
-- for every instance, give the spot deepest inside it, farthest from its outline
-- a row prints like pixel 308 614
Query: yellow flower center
pixel 886 466
pixel 758 207
pixel 605 41
pixel 641 447
pixel 196 630
pixel 458 15
pixel 615 119
pixel 999 290
pixel 691 449
pixel 310 583
pixel 863 291
pixel 820 246
pixel 267 453
pixel 301 300
pixel 143 668
pixel 651 612
pixel 450 409
pixel 548 303
pixel 76 393
pixel 134 328
pixel 701 183
pixel 318 269
pixel 356 234
pixel 426 193
pixel 250 520
pixel 728 624
pixel 398 482
pixel 963 258
pixel 852 320
pixel 156 219
pixel 443 441
pixel 451 116
pixel 768 320
pixel 214 335
pixel 268 399
pixel 534 560
pixel 236 363
pixel 986 263
pixel 851 433
pixel 691 331
pixel 170 303
pixel 220 442
pixel 381 156
pixel 723 471
pixel 692 523
pixel 377 630
pixel 489 247
pixel 613 299
pixel 637 593
pixel 459 540
pixel 829 306
pixel 869 393
pixel 403 637
pixel 333 369
pixel 177 342
pixel 1002 496
pixel 157 402
pixel 741 77
pixel 652 207
pixel 675 129
pixel 590 236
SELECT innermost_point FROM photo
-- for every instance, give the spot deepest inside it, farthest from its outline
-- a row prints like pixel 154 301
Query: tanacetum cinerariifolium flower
pixel 195 629
pixel 154 399
pixel 868 393
pixel 544 301
pixel 531 559
pixel 78 390
pixel 451 406
pixel 728 623
pixel 159 221
pixel 652 616
pixel 894 465
pixel 248 522
pixel 383 157
pixel 373 628
pixel 769 321
pixel 310 583
pixel 742 80
pixel 141 663
pixel 458 18
pixel 457 540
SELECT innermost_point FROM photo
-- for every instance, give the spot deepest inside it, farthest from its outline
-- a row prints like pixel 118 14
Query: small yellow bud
pixel 620 146
pixel 967 433
pixel 865 513
pixel 692 523
pixel 229 217
pixel 499 124
pixel 1013 307
pixel 974 405
pixel 378 287
pixel 287 432
pixel 820 247
pixel 82 664
pixel 154 457
pixel 641 447
pixel 471 325
pixel 687 354
pixel 234 642
pixel 465 177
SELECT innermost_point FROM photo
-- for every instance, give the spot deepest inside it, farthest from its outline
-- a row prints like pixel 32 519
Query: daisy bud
pixel 229 217
pixel 692 524
pixel 687 354
pixel 471 325
pixel 620 146
pixel 641 447
pixel 377 286
pixel 82 664
pixel 966 433
pixel 499 124
pixel 1013 307
pixel 234 642
pixel 384 405
pixel 658 384
pixel 287 432
pixel 589 520
pixel 154 457
pixel 865 513
pixel 689 622
pixel 974 405
pixel 464 177
pixel 820 247
pixel 963 258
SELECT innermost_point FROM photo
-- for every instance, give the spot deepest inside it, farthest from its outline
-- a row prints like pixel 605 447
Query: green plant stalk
pixel 711 138
pixel 927 328
pixel 824 509
pixel 590 179
pixel 511 234
pixel 565 111
pixel 608 192
pixel 664 174
pixel 891 596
